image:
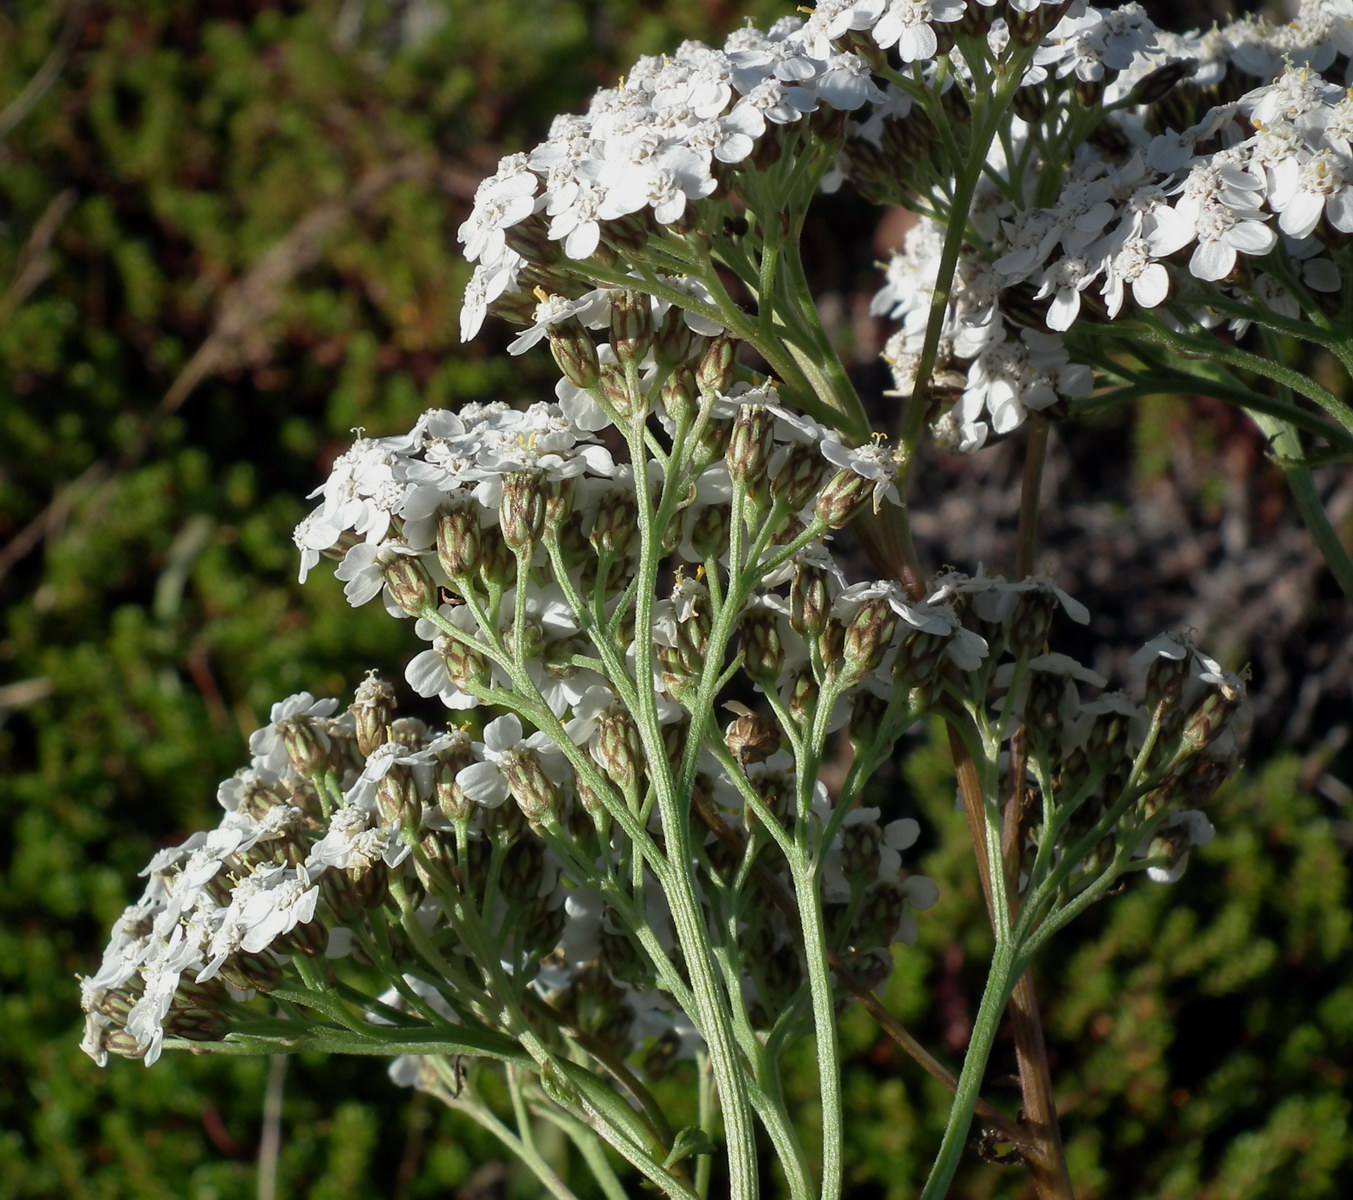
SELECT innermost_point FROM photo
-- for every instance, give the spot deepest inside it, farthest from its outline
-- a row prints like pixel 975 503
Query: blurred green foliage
pixel 228 239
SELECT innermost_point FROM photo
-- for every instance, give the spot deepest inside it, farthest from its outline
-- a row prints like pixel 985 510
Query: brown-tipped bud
pixel 678 396
pixel 631 325
pixel 1043 720
pixel 714 374
pixel 615 390
pixel 880 915
pixel 845 494
pixel 575 354
pixel 531 788
pixel 1089 92
pixel 803 697
pixel 447 762
pixel 776 790
pixel 372 708
pixel 458 541
pixel 749 446
pixel 310 939
pixel 750 738
pixel 497 563
pixel 591 801
pixel 258 797
pixel 465 666
pixel 1213 715
pixel 676 343
pixel 867 636
pixel 409 583
pixel 1031 621
pixel 809 600
pixel 409 732
pixel 616 525
pixel 919 658
pixel 246 970
pixel 866 717
pixel 521 513
pixel 763 652
pixel 710 528
pixel 397 797
pixel 531 635
pixel 307 744
pixel 438 848
pixel 799 477
pixel 860 846
pixel 619 750
pixel 678 671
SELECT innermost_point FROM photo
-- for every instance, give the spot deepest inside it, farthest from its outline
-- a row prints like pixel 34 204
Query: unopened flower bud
pixel 619 750
pixel 306 742
pixel 466 667
pixel 615 525
pixel 763 652
pixel 409 583
pixel 497 563
pixel 845 494
pixel 631 325
pixel 397 797
pixel 867 635
pixel 749 446
pixel 372 708
pixel 615 390
pixel 453 756
pixel 710 529
pixel 678 396
pixel 246 970
pixel 574 352
pixel 458 541
pixel 803 697
pixel 799 477
pixel 521 513
pixel 714 375
pixel 809 600
pixel 531 788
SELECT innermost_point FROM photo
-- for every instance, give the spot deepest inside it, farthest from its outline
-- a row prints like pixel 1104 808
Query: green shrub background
pixel 227 241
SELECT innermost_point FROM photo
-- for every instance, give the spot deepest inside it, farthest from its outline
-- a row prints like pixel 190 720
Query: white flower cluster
pixel 650 150
pixel 1154 209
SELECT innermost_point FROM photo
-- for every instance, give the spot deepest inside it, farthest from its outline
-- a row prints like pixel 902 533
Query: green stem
pixel 1000 983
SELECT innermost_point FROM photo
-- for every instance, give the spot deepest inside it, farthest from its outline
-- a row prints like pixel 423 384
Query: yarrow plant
pixel 635 610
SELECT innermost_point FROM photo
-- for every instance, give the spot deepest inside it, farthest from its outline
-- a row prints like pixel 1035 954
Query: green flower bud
pixel 531 788
pixel 521 512
pixel 575 354
pixel 458 541
pixel 619 750
pixel 845 494
pixel 631 325
pixel 799 477
pixel 809 600
pixel 410 585
pixel 763 652
pixel 866 636
pixel 749 446
pixel 372 708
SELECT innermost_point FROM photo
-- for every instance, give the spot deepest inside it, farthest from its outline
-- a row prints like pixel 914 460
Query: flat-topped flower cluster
pixel 1141 170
